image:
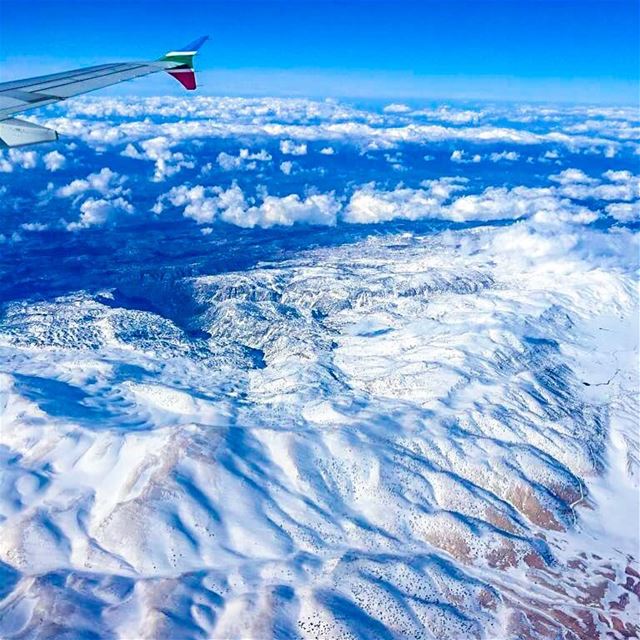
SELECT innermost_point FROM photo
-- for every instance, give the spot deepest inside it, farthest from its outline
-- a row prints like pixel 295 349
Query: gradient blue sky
pixel 583 50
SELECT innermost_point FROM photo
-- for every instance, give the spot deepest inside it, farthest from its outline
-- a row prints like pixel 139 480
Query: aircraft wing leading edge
pixel 21 95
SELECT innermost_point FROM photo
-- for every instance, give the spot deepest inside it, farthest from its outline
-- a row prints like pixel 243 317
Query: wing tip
pixel 195 45
pixel 186 77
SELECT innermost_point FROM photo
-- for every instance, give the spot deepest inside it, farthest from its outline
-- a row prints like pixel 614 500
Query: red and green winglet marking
pixel 181 60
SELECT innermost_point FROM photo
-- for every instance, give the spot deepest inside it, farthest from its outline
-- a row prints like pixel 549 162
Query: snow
pixel 431 430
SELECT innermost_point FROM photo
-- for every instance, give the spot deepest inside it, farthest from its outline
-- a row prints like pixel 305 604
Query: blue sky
pixel 528 49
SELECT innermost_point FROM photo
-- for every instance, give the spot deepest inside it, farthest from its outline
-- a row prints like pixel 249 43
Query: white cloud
pixel 228 162
pixel 34 226
pixel 368 205
pixel 624 211
pixel 130 151
pixel 499 203
pixel 463 157
pixel 97 211
pixel 510 156
pixel 197 202
pixel 621 185
pixel 314 209
pixel 54 161
pixel 207 204
pixel 105 182
pixel 292 124
pixel 94 210
pixel 243 161
pixel 397 108
pixel 158 150
pixel 17 158
pixel 618 176
pixel 222 109
pixel 572 176
pixel 435 200
pixel 453 115
pixel 24 159
pixel 297 121
pixel 290 148
pixel 444 188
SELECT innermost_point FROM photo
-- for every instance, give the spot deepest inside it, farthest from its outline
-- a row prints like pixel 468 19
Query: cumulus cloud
pixel 222 109
pixel 97 211
pixel 158 150
pixel 286 167
pixel 500 203
pixel 463 157
pixel 245 160
pixel 290 148
pixel 397 108
pixel 619 185
pixel 34 226
pixel 206 204
pixel 301 120
pixel 17 158
pixel 446 113
pixel 572 176
pixel 54 161
pixel 24 159
pixel 369 205
pixel 618 176
pixel 297 121
pixel 290 126
pixel 438 199
pixel 509 156
pixel 229 162
pixel 110 203
pixel 196 201
pixel 105 182
pixel 319 209
pixel 624 211
pixel 544 205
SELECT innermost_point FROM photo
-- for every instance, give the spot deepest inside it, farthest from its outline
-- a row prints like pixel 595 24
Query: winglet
pixel 183 59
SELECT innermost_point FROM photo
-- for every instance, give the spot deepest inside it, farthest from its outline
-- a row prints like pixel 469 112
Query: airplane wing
pixel 21 95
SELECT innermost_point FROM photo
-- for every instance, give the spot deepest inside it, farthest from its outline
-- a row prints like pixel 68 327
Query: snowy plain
pixel 303 368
